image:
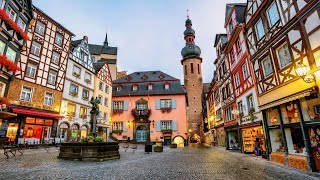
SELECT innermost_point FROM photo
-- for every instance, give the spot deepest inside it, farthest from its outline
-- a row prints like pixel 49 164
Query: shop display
pixel 251 138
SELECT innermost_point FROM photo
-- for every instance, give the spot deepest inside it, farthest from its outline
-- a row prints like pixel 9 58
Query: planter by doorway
pixel 158 148
pixel 173 145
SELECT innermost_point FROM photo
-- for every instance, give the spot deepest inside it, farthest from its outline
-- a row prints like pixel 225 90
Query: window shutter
pixel 174 104
pixel 125 105
pixel 158 126
pixel 157 104
pixel 174 126
pixel 125 129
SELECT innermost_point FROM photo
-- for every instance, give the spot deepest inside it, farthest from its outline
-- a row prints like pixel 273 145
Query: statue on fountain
pixel 94 113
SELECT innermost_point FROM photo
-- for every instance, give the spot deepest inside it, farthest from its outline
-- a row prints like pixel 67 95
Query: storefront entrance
pixel 12 132
pixel 37 130
pixel 141 134
pixel 167 140
pixel 251 138
pixel 314 134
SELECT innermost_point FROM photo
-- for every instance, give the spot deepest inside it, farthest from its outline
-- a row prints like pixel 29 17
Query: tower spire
pixel 106 40
pixel 187 13
pixel 189 35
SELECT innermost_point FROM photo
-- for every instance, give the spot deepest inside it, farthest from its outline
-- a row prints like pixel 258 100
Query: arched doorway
pixel 75 132
pixel 64 127
pixel 179 140
pixel 84 131
pixel 141 134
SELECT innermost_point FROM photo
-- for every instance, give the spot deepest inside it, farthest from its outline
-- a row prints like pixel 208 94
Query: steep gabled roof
pixel 223 37
pixel 238 8
pixel 99 49
pixel 152 76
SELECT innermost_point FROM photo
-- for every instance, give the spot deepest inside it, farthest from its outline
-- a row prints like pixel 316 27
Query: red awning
pixel 35 113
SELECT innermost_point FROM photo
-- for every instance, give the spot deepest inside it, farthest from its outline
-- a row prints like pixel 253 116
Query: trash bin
pixel 148 148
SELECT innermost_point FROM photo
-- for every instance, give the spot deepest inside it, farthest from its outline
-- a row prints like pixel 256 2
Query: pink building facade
pixel 148 107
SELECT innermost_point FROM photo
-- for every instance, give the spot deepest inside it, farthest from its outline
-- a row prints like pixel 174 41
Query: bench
pixel 12 148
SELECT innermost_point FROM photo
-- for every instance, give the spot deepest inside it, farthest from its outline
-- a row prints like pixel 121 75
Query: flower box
pixel 158 148
pixel 166 109
pixel 85 97
pixel 13 25
pixel 73 93
pixel 173 145
pixel 117 111
pixel 76 75
pixel 11 66
pixel 87 81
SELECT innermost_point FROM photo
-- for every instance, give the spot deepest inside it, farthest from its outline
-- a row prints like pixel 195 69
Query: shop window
pixel 12 131
pixel 253 137
pixel 48 122
pixel 83 112
pixel 310 106
pixel 273 116
pixel 276 140
pixel 30 120
pixel 289 112
pixel 39 121
pixel 295 141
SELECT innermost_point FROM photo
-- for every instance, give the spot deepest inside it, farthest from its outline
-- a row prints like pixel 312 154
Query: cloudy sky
pixel 148 33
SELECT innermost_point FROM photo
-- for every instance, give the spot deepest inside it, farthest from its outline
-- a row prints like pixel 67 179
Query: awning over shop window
pixel 286 99
pixel 6 115
pixel 35 112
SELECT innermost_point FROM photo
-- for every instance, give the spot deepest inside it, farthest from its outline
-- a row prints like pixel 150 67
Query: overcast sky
pixel 148 33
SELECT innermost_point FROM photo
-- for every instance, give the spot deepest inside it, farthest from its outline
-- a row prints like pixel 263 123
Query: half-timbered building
pixel 36 92
pixel 78 90
pixel 282 38
pixel 247 113
pixel 103 91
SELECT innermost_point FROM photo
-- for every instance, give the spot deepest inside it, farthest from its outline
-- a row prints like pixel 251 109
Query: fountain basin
pixel 85 151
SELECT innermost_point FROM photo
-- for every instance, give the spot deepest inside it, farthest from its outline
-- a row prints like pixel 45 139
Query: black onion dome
pixel 190 50
pixel 188 21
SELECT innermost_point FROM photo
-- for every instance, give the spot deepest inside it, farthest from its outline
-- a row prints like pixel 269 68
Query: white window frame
pixel 48 100
pixel 52 77
pixel 167 86
pixel 117 126
pixel 100 99
pixel 150 87
pixel 2 47
pixel 264 69
pixel 106 89
pixel 21 24
pixel 240 106
pixel 10 11
pixel 118 105
pixel 35 48
pixel 75 69
pixel 87 93
pixel 166 125
pixel 165 103
pixel 58 39
pixel 277 14
pixel 101 86
pixel 31 68
pixel 245 71
pixel 250 101
pixel 55 59
pixel 26 93
pixel 87 76
pixel 76 88
pixel 11 54
pixel 237 79
pixel 279 59
pixel 134 88
pixel 106 102
pixel 257 30
pixel 40 28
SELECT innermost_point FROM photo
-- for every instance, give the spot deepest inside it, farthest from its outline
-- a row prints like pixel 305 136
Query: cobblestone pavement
pixel 194 162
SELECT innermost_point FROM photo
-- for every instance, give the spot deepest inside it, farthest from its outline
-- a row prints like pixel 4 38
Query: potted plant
pixel 158 147
pixel 87 81
pixel 173 145
pixel 73 93
pixel 76 75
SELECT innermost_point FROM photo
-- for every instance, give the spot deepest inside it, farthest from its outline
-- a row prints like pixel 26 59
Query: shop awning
pixel 103 125
pixel 35 112
pixel 6 115
pixel 286 99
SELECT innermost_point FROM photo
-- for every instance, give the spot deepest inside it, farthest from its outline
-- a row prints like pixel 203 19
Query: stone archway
pixel 179 140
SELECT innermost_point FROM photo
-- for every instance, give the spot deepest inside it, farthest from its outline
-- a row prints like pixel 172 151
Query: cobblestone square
pixel 193 162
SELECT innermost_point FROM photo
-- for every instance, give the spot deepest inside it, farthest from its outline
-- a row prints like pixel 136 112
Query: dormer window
pixel 118 88
pixel 128 78
pixel 134 87
pixel 150 87
pixel 167 86
pixel 161 76
pixel 144 77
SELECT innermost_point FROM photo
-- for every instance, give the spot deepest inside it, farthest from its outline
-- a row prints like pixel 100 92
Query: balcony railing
pixel 166 130
pixel 141 113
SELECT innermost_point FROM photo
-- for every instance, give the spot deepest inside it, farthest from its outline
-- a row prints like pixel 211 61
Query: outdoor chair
pixel 125 146
pixel 133 147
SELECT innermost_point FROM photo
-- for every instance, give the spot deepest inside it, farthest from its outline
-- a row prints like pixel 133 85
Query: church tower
pixel 192 81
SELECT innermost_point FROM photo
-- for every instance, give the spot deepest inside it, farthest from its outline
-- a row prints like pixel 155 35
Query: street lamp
pixel 302 71
pixel 128 123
